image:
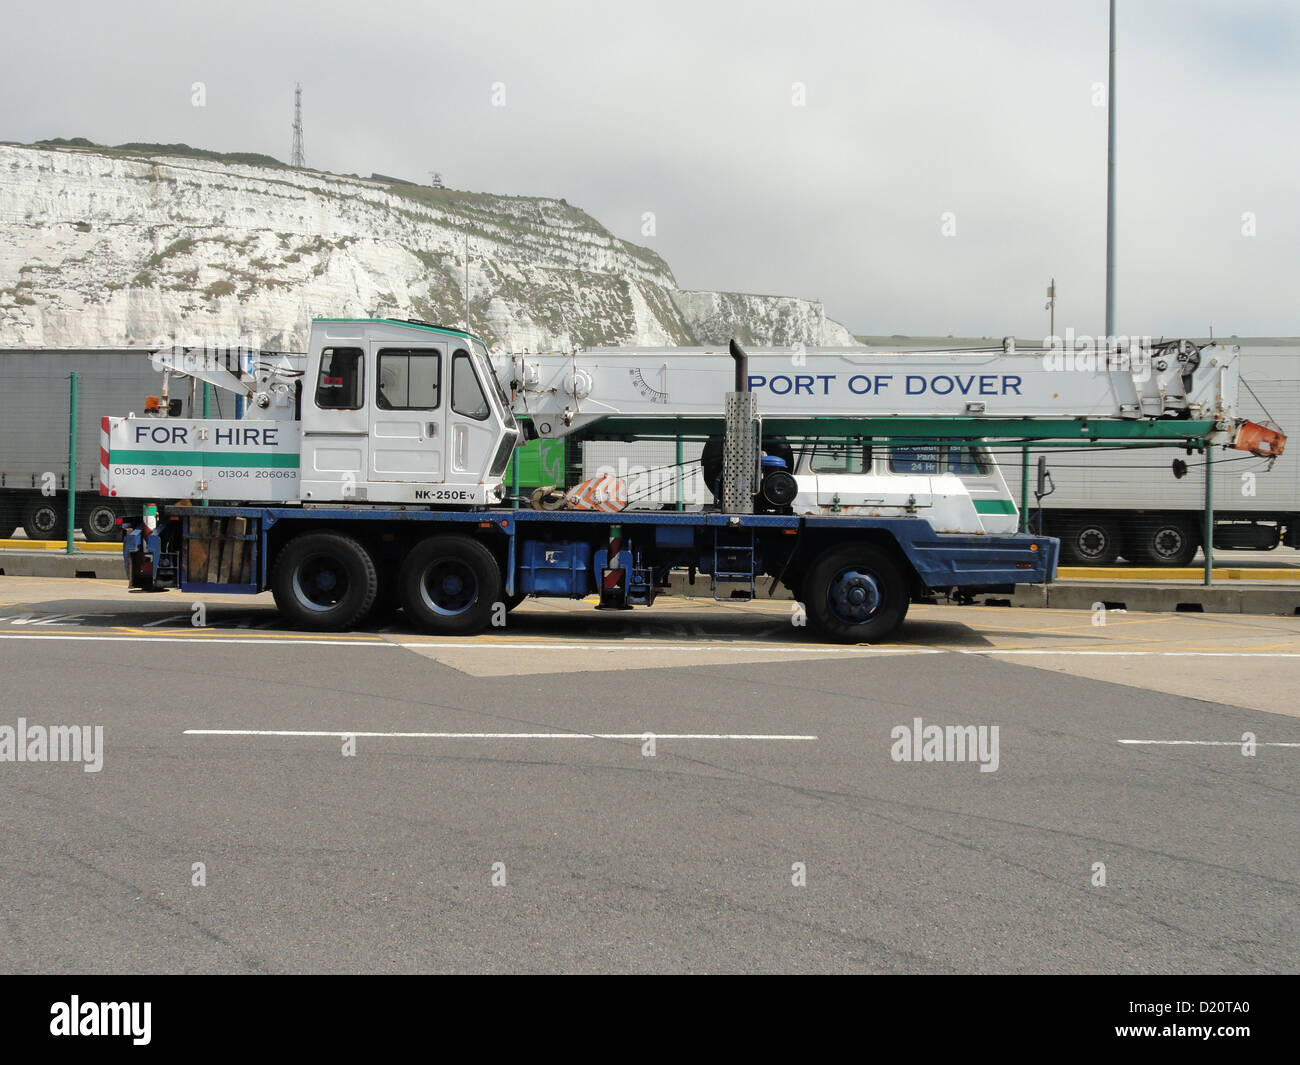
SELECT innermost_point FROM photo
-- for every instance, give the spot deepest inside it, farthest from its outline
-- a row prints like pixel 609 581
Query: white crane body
pixel 371 470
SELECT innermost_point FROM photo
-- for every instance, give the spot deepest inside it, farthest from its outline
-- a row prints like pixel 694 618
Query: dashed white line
pixel 618 644
pixel 498 735
pixel 1208 743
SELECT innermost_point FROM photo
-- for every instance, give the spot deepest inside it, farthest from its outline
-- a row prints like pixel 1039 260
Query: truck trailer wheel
pixel 450 584
pixel 324 581
pixel 1163 542
pixel 1090 540
pixel 100 523
pixel 855 595
pixel 46 519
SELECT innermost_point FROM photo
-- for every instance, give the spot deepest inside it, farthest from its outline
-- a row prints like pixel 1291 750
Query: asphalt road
pixel 617 860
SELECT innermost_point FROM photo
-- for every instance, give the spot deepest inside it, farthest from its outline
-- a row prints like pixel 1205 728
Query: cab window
pixel 466 393
pixel 408 379
pixel 338 386
pixel 841 457
pixel 965 462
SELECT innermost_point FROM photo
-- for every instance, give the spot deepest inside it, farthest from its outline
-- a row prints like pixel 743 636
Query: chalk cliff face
pixel 105 247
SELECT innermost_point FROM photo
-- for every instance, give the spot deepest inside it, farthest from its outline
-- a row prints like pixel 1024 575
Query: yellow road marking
pixel 57 545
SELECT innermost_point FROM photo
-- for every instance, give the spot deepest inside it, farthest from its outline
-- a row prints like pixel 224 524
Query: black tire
pixel 99 523
pixel 1163 542
pixel 855 594
pixel 324 581
pixel 1091 541
pixel 46 518
pixel 388 599
pixel 450 585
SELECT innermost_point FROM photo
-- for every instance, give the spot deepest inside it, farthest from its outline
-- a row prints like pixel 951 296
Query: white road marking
pixel 1135 654
pixel 617 644
pixel 497 735
pixel 1208 743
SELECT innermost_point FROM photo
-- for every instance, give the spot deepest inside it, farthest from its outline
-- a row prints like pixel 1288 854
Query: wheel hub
pixel 449 587
pixel 854 595
pixel 319 584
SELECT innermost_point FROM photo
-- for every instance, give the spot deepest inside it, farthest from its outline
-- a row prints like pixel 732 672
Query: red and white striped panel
pixel 605 493
pixel 103 456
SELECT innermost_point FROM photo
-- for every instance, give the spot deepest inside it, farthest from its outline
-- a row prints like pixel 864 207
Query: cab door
pixel 473 430
pixel 408 414
pixel 335 437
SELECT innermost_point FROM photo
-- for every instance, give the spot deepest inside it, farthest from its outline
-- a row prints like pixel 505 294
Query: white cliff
pixel 106 247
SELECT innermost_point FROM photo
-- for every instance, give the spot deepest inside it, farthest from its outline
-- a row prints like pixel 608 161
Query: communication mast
pixel 296 156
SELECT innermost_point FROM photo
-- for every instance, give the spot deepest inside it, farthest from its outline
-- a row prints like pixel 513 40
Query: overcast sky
pixel 688 110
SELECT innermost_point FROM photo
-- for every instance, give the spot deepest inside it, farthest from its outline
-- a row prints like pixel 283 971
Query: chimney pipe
pixel 742 366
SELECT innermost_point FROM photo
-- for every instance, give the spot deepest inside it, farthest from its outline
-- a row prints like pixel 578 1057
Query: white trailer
pixel 34 397
pixel 1130 504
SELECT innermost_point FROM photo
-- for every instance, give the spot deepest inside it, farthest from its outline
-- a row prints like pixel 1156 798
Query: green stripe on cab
pixel 994 506
pixel 264 460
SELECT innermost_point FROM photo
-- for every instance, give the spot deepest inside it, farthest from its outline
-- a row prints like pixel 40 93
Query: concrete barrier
pixel 51 564
pixel 1229 597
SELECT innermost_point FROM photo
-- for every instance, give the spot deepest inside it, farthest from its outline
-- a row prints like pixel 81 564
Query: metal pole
pixel 514 478
pixel 681 474
pixel 467 282
pixel 1209 516
pixel 1024 488
pixel 72 459
pixel 207 409
pixel 1110 186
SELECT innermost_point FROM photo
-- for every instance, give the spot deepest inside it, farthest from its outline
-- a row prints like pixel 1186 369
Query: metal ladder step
pixel 740 553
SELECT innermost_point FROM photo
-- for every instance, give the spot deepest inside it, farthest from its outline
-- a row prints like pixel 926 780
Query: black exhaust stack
pixel 742 366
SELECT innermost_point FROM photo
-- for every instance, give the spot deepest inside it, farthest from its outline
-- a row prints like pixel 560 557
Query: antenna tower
pixel 296 156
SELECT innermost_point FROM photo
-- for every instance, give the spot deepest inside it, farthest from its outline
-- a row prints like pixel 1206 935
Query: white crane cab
pixel 400 412
pixel 954 484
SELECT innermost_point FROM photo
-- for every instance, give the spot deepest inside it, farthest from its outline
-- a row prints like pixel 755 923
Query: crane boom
pixel 565 393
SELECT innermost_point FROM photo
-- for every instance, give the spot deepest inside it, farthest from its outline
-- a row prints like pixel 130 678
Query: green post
pixel 1024 489
pixel 681 474
pixel 207 409
pixel 1209 516
pixel 72 459
pixel 514 478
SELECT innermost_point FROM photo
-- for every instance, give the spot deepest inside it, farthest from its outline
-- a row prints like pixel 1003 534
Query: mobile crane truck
pixel 369 473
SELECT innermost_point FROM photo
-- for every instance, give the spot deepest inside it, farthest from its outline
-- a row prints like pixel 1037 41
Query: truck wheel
pixel 1092 541
pixel 449 585
pixel 855 595
pixel 45 519
pixel 324 581
pixel 100 523
pixel 1166 542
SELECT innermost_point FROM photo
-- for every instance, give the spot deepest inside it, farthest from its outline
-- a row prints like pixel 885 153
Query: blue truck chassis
pixel 332 567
